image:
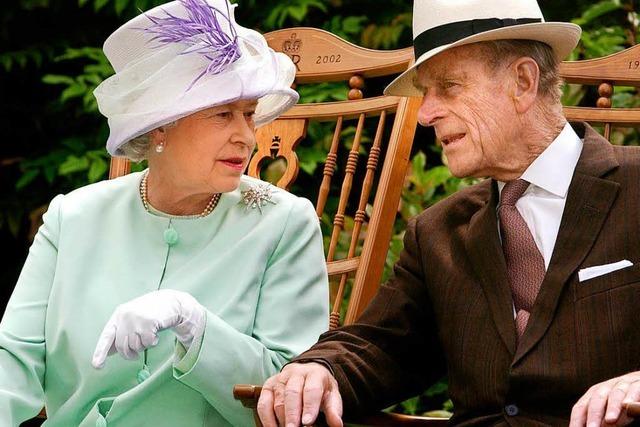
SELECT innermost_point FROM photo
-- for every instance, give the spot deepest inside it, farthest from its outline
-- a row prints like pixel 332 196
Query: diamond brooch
pixel 257 197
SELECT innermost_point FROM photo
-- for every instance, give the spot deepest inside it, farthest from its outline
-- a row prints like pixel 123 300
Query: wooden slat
pixel 622 68
pixel 326 111
pixel 322 56
pixel 618 116
pixel 120 166
pixel 343 266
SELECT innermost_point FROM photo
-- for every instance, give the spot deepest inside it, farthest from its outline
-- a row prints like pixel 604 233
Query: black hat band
pixel 450 33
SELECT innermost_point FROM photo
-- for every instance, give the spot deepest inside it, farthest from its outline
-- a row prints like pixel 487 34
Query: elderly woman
pixel 192 275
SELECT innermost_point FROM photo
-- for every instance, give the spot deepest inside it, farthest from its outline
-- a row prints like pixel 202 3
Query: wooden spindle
pixel 329 169
pixel 352 163
pixel 372 164
pixel 605 90
pixel 356 83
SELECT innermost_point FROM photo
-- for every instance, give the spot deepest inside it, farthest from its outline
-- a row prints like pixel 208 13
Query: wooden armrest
pixel 249 395
pixel 633 409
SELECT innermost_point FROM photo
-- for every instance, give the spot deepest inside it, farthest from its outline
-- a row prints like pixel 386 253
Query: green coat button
pixel 142 375
pixel 171 236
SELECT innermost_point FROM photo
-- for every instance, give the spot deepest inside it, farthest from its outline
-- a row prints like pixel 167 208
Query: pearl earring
pixel 160 147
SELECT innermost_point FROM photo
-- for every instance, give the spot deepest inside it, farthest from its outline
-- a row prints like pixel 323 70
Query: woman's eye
pixel 223 114
pixel 449 85
pixel 250 114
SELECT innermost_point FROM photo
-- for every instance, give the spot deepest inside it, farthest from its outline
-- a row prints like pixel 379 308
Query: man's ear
pixel 527 79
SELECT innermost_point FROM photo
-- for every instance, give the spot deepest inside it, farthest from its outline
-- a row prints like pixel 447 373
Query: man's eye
pixel 250 114
pixel 449 85
pixel 223 114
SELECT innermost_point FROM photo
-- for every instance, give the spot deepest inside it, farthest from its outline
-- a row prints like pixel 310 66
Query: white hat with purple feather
pixel 183 57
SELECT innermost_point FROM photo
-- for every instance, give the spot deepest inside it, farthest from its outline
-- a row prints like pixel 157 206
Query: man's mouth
pixel 454 137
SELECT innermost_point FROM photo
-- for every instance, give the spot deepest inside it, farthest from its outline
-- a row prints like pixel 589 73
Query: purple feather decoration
pixel 202 31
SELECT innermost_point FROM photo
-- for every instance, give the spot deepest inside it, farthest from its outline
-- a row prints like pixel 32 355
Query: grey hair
pixel 137 149
pixel 500 51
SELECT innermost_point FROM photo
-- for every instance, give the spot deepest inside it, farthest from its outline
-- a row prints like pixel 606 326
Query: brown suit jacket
pixel 448 310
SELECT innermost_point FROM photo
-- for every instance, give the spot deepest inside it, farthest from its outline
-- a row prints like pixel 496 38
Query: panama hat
pixel 185 56
pixel 439 25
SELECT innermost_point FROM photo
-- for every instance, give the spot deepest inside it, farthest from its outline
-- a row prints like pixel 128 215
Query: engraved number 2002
pixel 328 59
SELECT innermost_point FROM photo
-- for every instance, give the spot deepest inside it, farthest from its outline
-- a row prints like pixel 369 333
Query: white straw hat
pixel 439 25
pixel 183 57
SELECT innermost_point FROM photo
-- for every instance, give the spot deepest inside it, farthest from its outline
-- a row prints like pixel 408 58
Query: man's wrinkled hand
pixel 603 403
pixel 296 395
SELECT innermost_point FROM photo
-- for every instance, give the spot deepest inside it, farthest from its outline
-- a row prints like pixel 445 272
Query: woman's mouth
pixel 235 163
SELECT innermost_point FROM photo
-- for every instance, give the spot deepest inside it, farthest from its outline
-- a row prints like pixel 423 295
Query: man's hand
pixel 297 394
pixel 602 403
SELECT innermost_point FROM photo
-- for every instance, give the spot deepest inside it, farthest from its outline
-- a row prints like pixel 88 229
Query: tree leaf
pixel 99 4
pixel 597 10
pixel 56 79
pixel 27 178
pixel 73 91
pixel 97 170
pixel 73 164
pixel 121 5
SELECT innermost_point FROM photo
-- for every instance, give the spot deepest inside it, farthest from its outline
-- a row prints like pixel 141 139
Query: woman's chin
pixel 227 184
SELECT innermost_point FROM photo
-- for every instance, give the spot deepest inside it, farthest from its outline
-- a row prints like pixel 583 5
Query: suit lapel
pixel 485 252
pixel 589 201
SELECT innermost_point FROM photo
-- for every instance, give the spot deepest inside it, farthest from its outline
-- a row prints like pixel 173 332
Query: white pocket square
pixel 601 270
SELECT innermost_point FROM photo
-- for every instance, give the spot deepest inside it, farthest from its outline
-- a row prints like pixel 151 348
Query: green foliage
pixel 120 6
pixel 82 85
pixel 292 12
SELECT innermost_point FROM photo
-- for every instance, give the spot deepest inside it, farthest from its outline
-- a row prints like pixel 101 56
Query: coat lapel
pixel 589 200
pixel 485 252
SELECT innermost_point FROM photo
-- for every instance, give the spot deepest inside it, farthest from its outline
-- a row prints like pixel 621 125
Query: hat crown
pixel 429 14
pixel 131 43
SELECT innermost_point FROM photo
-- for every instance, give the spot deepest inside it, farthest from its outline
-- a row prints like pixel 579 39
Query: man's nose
pixel 431 110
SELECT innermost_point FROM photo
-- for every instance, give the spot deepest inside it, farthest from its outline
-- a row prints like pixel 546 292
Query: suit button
pixel 101 422
pixel 511 410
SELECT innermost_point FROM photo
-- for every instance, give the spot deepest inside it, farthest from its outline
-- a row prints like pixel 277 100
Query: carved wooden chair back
pixel 620 70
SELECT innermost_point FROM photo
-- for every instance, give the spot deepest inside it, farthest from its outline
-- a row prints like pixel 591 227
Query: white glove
pixel 134 326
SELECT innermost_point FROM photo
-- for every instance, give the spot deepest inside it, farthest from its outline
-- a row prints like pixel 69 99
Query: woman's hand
pixel 134 326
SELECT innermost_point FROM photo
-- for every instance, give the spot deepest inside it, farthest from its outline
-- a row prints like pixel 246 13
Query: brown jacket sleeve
pixel 392 352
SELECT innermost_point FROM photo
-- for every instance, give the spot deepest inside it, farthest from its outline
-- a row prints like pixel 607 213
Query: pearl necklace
pixel 145 201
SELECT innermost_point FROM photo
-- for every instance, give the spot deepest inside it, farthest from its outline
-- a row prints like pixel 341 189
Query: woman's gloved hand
pixel 134 326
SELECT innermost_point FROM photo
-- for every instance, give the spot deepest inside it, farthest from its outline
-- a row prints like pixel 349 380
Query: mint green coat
pixel 261 277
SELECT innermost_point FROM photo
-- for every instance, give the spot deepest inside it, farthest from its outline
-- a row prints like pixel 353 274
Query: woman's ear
pixel 527 79
pixel 158 139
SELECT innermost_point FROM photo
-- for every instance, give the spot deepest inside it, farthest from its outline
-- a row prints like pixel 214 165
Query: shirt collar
pixel 553 169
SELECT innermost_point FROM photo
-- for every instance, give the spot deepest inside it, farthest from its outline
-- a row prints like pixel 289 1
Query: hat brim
pixel 563 37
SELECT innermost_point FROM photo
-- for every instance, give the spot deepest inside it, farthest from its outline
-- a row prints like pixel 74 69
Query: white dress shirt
pixel 542 204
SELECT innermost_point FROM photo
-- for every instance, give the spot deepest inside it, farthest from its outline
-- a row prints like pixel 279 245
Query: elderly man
pixel 517 288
